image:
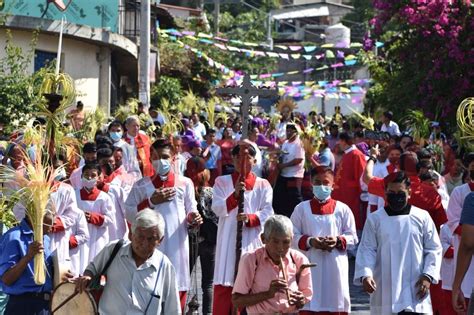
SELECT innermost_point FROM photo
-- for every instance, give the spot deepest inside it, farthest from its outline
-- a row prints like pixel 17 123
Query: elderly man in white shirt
pixel 389 125
pixel 140 279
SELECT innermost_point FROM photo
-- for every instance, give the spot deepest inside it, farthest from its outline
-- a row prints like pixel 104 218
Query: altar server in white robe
pixel 454 210
pixel 172 195
pixel 98 209
pixel 63 200
pixel 323 229
pixel 399 255
pixel 79 236
pixel 257 208
pixel 110 183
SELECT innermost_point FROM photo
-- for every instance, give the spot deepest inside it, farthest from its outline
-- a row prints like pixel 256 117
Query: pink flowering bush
pixel 428 58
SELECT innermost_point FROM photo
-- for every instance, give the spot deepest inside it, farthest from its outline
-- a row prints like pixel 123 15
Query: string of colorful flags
pixel 230 73
pixel 212 38
pixel 348 60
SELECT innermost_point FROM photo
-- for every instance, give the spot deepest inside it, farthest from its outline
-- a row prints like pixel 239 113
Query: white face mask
pixel 115 136
pixel 162 166
pixel 89 183
pixel 61 175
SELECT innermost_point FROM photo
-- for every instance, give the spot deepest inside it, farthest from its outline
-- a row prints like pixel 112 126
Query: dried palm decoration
pixel 366 121
pixel 465 118
pixel 93 122
pixel 285 102
pixel 33 189
pixel 419 125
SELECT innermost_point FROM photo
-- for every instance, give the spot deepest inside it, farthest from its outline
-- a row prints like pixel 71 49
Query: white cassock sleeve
pixel 297 220
pixel 266 209
pixel 219 197
pixel 367 252
pixel 445 237
pixel 108 212
pixel 190 204
pixel 348 228
pixel 133 200
pixel 431 250
pixel 171 303
pixel 82 231
pixel 454 209
pixel 67 211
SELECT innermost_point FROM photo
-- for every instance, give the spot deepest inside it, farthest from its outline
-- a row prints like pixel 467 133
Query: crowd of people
pixel 273 220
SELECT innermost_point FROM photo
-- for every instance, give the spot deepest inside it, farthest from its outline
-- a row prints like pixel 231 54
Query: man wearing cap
pixel 454 211
pixel 257 208
pixel 399 255
pixel 173 196
pixel 388 125
pixel 288 185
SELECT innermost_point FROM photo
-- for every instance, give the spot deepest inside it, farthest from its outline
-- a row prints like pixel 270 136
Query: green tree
pixel 18 88
pixel 166 88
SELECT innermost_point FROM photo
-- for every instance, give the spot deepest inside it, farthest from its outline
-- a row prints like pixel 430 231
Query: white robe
pixel 456 202
pixel 120 229
pixel 99 235
pixel 81 232
pixel 396 251
pixel 175 244
pixel 331 277
pixel 64 199
pixel 129 159
pixel 447 266
pixel 380 170
pixel 257 201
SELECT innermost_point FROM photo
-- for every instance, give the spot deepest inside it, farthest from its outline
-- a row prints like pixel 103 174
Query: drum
pixel 82 303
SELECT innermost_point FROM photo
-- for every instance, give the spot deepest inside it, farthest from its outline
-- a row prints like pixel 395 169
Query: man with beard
pixel 399 255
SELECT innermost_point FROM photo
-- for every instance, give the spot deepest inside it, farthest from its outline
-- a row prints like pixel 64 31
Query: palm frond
pixel 418 123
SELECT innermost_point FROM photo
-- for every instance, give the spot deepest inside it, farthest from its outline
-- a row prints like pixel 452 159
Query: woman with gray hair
pixel 139 270
pixel 274 278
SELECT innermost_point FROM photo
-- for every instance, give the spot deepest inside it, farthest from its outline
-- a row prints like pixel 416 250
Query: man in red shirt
pixel 347 187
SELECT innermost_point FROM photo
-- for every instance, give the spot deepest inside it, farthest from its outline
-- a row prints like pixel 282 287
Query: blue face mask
pixel 115 136
pixel 322 192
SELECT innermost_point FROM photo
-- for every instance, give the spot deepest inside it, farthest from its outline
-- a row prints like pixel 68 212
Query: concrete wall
pixel 79 60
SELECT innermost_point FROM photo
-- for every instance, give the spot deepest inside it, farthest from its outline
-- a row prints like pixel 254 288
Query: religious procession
pixel 223 167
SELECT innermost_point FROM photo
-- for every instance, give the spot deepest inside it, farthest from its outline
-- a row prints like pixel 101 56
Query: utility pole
pixel 217 12
pixel 269 31
pixel 144 56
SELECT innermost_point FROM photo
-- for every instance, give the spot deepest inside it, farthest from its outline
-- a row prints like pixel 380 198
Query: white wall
pixel 78 59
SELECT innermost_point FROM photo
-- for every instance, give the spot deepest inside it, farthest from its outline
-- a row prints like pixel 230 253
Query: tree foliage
pixel 427 61
pixel 18 88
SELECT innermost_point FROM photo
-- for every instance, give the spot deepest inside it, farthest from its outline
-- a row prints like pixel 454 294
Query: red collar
pixel 471 186
pixel 249 180
pixel 110 178
pixel 158 183
pixel 55 186
pixel 322 208
pixel 90 196
pixel 139 140
pixel 391 168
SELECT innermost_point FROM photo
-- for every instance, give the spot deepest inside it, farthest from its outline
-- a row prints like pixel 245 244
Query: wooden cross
pixel 246 91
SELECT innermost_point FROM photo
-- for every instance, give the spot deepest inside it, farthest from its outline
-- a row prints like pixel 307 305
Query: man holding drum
pixel 138 268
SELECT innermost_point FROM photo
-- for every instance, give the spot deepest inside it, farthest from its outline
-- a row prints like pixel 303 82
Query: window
pixel 44 58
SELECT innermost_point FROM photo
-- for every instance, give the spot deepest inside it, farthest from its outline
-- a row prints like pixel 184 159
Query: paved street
pixel 359 299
